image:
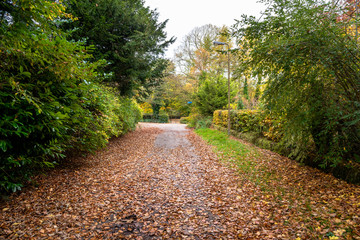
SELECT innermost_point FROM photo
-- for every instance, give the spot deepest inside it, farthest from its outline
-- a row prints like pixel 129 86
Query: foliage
pixel 205 122
pixel 193 119
pixel 212 95
pixel 127 35
pixel 146 108
pixel 184 120
pixel 243 120
pixel 197 121
pixel 160 118
pixel 49 99
pixel 177 94
pixel 312 71
pixel 172 95
pixel 193 56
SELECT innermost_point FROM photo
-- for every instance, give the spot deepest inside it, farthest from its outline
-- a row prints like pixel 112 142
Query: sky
pixel 185 15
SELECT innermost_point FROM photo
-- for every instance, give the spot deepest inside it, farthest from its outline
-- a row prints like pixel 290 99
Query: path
pixel 151 184
pixel 158 182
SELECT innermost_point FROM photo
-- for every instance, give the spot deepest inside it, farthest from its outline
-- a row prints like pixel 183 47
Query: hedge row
pixel 161 118
pixel 52 101
pixel 250 121
pixel 259 129
pixel 34 138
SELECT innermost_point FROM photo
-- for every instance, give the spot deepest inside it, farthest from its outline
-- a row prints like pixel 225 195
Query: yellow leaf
pixel 339 232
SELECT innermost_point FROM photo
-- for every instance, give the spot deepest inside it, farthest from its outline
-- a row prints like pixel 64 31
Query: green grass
pixel 239 156
pixel 229 150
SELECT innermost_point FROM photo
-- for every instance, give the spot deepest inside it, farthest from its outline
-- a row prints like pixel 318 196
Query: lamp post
pixel 228 83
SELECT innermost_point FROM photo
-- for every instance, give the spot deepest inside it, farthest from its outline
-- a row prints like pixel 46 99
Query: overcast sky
pixel 185 15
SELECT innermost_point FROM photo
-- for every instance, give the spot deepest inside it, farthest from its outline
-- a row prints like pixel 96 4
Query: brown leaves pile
pixel 142 188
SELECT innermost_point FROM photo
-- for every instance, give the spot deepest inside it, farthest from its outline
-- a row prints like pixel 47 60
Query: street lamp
pixel 228 83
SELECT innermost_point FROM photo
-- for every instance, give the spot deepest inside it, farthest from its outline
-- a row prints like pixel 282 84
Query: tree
pixel 312 71
pixel 50 99
pixel 178 92
pixel 212 95
pixel 173 94
pixel 127 35
pixel 194 54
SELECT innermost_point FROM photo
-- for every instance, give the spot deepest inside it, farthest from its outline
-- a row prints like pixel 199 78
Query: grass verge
pixel 314 203
pixel 237 155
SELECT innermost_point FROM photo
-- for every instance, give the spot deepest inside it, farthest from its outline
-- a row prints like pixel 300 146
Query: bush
pixel 250 121
pixel 204 123
pixel 198 121
pixel 184 120
pixel 50 102
pixel 193 119
pixel 212 95
pixel 161 118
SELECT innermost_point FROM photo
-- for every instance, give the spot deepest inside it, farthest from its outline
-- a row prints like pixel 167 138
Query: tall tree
pixel 127 35
pixel 312 71
pixel 193 55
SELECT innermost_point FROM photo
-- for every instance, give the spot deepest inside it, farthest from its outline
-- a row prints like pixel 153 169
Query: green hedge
pixel 51 101
pixel 161 118
pixel 184 120
pixel 250 121
pixel 259 129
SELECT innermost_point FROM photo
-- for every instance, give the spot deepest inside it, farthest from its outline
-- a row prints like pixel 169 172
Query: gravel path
pixel 188 186
pixel 158 182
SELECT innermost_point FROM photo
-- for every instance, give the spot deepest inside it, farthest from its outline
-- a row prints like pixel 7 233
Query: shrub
pixel 146 108
pixel 212 95
pixel 250 121
pixel 193 119
pixel 184 120
pixel 161 118
pixel 198 121
pixel 50 102
pixel 204 123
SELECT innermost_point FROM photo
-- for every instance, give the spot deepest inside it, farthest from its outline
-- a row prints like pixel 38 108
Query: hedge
pixel 261 130
pixel 161 118
pixel 250 121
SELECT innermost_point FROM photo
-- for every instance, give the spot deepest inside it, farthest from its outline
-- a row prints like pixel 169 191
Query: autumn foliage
pixel 51 98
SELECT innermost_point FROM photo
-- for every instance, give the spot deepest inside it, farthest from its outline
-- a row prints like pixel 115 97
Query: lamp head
pixel 219 43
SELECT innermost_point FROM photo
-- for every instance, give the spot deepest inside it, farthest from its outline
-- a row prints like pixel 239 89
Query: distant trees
pixel 195 53
pixel 203 64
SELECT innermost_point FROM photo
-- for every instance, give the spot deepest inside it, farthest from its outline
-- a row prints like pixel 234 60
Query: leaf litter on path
pixel 164 182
